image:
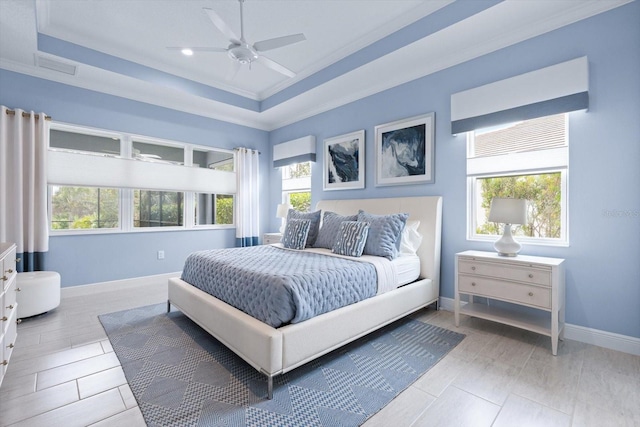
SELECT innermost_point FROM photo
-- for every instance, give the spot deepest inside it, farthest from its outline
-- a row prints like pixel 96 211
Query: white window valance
pixel 560 88
pixel 295 151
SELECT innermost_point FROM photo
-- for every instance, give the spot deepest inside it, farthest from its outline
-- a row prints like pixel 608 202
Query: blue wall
pixel 603 268
pixel 104 257
pixel 603 259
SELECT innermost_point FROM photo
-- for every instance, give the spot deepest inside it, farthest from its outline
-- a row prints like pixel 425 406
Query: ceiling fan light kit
pixel 241 51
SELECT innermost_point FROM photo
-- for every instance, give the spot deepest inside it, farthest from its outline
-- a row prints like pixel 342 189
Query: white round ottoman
pixel 39 292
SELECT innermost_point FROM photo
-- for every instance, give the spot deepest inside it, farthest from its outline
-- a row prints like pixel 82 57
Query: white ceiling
pixel 140 30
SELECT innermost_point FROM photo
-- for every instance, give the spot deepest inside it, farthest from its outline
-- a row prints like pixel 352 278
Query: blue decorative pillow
pixel 295 233
pixel 330 225
pixel 313 217
pixel 351 238
pixel 384 233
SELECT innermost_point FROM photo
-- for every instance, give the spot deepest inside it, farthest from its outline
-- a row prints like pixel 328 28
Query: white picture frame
pixel 405 151
pixel 343 162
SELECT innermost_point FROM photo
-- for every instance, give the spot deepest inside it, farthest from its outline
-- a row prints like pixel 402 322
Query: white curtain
pixel 247 198
pixel 24 141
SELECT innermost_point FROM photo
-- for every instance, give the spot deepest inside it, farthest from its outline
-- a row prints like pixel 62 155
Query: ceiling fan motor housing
pixel 242 54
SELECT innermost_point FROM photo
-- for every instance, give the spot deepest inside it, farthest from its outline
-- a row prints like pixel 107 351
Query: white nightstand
pixel 269 238
pixel 524 280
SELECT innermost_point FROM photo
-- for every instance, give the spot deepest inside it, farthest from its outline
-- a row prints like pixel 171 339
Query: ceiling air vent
pixel 56 65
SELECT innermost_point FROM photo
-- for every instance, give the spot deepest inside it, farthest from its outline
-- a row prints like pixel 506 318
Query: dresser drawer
pixel 8 342
pixel 521 273
pixel 9 304
pixel 8 266
pixel 536 296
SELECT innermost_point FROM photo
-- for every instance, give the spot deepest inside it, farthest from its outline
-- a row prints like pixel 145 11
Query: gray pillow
pixel 295 233
pixel 330 224
pixel 351 238
pixel 313 217
pixel 384 233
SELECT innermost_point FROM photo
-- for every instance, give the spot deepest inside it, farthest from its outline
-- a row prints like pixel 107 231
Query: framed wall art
pixel 343 165
pixel 405 151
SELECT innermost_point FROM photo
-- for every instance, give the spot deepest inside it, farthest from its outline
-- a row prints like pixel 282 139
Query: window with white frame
pixel 525 160
pixel 296 186
pixel 102 181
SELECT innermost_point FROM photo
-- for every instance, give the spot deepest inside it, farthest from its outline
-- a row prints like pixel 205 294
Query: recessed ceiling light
pixel 187 52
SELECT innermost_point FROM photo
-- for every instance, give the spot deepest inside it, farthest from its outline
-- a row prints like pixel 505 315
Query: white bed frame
pixel 274 351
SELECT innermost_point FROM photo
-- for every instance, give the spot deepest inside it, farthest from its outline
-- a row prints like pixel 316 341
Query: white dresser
pixel 8 309
pixel 531 281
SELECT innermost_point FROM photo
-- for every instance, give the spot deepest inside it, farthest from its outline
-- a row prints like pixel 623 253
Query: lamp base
pixel 506 245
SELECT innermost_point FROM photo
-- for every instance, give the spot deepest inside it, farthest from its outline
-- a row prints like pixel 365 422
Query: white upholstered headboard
pixel 427 210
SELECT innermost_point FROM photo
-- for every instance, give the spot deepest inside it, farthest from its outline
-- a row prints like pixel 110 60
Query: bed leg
pixel 269 387
pixel 168 306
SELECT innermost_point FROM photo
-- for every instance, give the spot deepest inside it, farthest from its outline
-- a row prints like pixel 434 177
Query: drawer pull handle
pixel 5 278
pixel 4 363
pixel 10 271
pixel 530 275
pixel 18 321
pixel 18 260
pixel 4 318
pixel 10 307
pixel 10 345
pixel 473 268
pixel 18 289
pixel 530 294
pixel 473 283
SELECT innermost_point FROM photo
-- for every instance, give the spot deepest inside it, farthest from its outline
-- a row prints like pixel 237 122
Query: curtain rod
pixel 25 114
pixel 239 148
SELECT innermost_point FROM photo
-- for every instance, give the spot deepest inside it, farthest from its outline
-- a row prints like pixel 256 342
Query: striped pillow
pixel 295 233
pixel 351 238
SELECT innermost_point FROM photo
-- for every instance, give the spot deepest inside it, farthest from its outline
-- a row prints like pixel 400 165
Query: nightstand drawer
pixel 521 273
pixel 536 296
pixel 270 238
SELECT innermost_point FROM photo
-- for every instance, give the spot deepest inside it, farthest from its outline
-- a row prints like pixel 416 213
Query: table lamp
pixel 281 212
pixel 507 212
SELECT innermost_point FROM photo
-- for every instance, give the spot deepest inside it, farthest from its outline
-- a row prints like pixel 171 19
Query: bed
pixel 274 351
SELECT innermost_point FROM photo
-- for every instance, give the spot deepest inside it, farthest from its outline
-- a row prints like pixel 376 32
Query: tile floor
pixel 63 372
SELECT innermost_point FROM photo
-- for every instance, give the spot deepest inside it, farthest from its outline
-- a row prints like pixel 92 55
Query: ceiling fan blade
pixel 232 71
pixel 270 63
pixel 198 49
pixel 221 25
pixel 277 42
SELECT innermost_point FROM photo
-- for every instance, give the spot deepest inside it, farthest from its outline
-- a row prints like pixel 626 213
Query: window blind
pixel 86 170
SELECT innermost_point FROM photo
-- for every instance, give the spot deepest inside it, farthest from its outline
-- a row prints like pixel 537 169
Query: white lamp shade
pixel 282 211
pixel 508 211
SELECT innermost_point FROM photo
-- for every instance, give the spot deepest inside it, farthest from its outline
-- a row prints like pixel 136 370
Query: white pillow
pixel 410 239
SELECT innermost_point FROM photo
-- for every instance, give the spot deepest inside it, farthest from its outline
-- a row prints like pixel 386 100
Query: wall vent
pixel 56 65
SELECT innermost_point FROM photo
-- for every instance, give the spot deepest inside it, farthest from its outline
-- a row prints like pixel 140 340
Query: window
pixel 84 143
pixel 95 187
pixel 527 160
pixel 296 186
pixel 152 152
pixel 211 159
pixel 213 209
pixel 157 208
pixel 78 208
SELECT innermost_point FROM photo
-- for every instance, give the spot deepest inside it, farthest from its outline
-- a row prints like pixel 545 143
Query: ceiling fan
pixel 241 51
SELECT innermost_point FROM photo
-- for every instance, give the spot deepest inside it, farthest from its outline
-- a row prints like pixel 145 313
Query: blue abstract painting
pixel 403 152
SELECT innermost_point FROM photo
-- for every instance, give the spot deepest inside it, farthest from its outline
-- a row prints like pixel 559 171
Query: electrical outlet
pixel 160 254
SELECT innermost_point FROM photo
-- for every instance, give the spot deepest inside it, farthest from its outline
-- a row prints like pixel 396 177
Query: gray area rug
pixel 181 376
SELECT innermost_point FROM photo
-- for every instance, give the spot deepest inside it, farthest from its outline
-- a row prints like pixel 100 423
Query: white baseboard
pixel 597 337
pixel 602 338
pixel 74 291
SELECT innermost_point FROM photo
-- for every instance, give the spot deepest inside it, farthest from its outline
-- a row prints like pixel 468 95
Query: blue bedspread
pixel 279 286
